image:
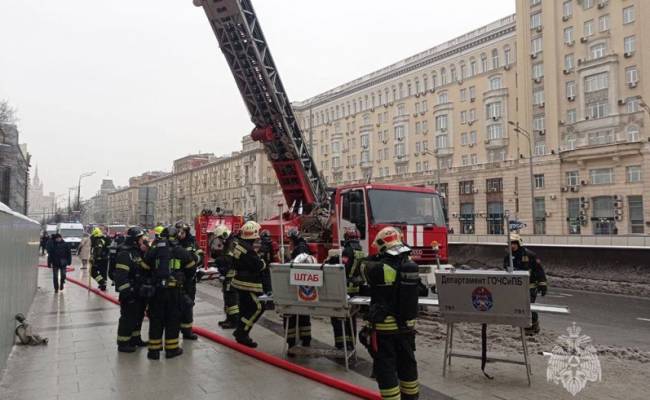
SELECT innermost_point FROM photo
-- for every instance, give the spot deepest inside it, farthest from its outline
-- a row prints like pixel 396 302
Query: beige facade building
pixel 242 182
pixel 448 117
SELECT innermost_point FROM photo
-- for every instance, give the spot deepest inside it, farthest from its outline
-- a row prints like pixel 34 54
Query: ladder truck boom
pixel 242 42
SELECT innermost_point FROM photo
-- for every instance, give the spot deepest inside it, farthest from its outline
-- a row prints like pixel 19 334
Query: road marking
pixel 644 319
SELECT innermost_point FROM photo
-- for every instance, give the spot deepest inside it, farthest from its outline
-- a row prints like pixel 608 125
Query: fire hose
pixel 342 385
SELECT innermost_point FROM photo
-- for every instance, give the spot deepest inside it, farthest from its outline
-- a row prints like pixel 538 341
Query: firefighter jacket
pixel 249 267
pixel 99 248
pixel 131 271
pixel 189 244
pixel 170 263
pixel 352 256
pixel 526 260
pixel 393 284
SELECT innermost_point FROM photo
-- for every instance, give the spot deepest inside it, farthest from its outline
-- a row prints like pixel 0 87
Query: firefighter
pixel 131 277
pixel 221 251
pixel 113 248
pixel 187 241
pixel 249 271
pixel 99 257
pixel 393 281
pixel 351 256
pixel 168 263
pixel 525 260
pixel 300 253
pixel 157 231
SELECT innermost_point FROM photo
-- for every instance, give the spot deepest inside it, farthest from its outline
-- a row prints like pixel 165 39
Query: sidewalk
pixel 81 361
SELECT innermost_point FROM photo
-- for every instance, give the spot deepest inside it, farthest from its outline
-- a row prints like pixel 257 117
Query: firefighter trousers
pixel 230 300
pixel 303 329
pixel 350 332
pixel 99 271
pixel 250 310
pixel 395 367
pixel 533 298
pixel 187 304
pixel 164 318
pixel 130 322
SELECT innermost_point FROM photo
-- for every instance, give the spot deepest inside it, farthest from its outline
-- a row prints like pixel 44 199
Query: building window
pixel 539 181
pixel 629 43
pixel 573 178
pixel 567 9
pixel 399 133
pixel 597 110
pixel 495 132
pixel 573 216
pixel 507 55
pixel 603 23
pixel 633 173
pixel 597 82
pixel 535 2
pixel 464 160
pixel 443 98
pixel 538 123
pixel 628 15
pixel 472 137
pixel 400 150
pixel 473 68
pixel 472 93
pixel 603 215
pixel 494 185
pixel 484 63
pixel 493 110
pixel 632 104
pixel 571 89
pixel 631 75
pixel 568 62
pixel 588 28
pixel 635 206
pixel 495 83
pixel 597 51
pixel 467 218
pixel 540 148
pixel 495 218
pixel 568 35
pixel 538 96
pixel 538 70
pixel 464 139
pixel 441 142
pixel 601 176
pixel 536 20
pixel 495 59
pixel 466 187
pixel 443 76
pixel 454 76
pixel 539 216
pixel 571 116
pixel 442 122
pixel 474 159
pixel 587 4
pixel 632 133
pixel 536 45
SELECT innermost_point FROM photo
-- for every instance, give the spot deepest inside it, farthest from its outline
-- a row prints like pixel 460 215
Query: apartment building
pixel 467 115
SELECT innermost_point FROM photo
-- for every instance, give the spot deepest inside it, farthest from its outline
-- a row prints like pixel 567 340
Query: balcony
pixel 503 92
pixel 584 150
pixel 444 151
pixel 366 164
pixel 492 144
pixel 448 106
pixel 401 159
pixel 401 119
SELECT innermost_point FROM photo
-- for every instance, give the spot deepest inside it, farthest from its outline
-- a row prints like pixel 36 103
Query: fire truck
pixel 207 221
pixel 320 213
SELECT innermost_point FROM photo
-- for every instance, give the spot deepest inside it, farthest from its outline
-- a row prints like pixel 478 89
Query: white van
pixel 71 233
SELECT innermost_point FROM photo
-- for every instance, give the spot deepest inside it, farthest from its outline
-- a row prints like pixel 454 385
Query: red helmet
pixel 351 233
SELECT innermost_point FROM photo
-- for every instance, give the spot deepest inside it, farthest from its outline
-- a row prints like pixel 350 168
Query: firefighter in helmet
pixel 351 256
pixel 187 241
pixel 99 257
pixel 249 270
pixel 526 260
pixel 169 262
pixel 131 281
pixel 393 280
pixel 221 251
pixel 300 253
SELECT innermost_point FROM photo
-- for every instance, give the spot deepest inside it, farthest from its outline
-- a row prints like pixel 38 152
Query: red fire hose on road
pixel 344 386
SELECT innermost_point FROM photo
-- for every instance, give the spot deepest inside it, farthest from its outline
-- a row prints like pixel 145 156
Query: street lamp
pixel 84 175
pixel 427 152
pixel 529 137
pixel 70 190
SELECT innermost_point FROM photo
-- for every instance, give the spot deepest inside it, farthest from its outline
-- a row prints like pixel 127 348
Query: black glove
pixel 542 289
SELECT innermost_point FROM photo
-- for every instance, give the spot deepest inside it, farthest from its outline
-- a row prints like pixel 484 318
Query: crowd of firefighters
pixel 159 278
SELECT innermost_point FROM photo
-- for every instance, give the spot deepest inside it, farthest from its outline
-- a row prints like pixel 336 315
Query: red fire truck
pixel 321 213
pixel 207 221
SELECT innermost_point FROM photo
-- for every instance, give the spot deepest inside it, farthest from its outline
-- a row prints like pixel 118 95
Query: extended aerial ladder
pixel 240 37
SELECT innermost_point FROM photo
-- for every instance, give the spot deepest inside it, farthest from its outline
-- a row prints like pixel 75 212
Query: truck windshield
pixel 71 232
pixel 402 207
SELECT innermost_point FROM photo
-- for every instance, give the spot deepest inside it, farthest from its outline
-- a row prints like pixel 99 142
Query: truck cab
pixel 71 234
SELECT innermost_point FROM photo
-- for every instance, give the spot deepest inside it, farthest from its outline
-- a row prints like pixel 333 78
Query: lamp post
pixel 529 137
pixel 84 175
pixel 70 190
pixel 427 152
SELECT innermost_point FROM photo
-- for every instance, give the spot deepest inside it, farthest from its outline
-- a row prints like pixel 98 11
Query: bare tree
pixel 7 113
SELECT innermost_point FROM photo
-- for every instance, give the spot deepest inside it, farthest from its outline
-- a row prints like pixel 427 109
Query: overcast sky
pixel 123 86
